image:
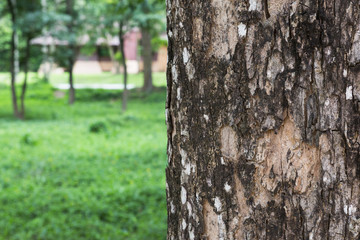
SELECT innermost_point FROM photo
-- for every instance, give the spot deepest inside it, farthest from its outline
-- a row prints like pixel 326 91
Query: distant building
pixel 100 61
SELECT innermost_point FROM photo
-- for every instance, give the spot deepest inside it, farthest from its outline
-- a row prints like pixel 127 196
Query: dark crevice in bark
pixel 328 227
pixel 266 7
pixel 302 223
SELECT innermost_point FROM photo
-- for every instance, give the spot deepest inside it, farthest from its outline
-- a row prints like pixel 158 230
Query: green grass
pixel 85 171
pixel 159 79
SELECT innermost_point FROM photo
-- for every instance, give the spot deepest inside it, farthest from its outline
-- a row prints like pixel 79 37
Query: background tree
pixel 149 17
pixel 121 17
pixel 27 19
pixel 27 22
pixel 70 11
pixel 46 49
pixel 71 27
pixel 106 22
pixel 30 23
pixel 14 64
pixel 263 119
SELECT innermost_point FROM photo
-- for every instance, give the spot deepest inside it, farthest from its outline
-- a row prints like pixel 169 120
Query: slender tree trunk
pixel 26 71
pixel 70 12
pixel 263 115
pixel 71 83
pixel 45 48
pixel 14 56
pixel 123 60
pixel 147 57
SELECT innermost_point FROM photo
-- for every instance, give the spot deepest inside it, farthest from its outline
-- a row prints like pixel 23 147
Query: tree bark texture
pixel 147 58
pixel 263 115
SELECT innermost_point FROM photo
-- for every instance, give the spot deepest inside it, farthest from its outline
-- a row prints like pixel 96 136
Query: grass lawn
pixel 85 171
pixel 159 79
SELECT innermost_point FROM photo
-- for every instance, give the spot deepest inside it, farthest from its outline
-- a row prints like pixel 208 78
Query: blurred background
pixel 82 125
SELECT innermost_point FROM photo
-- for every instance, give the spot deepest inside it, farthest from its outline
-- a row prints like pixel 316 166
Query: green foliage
pixel 62 55
pixel 150 15
pixel 158 42
pixel 118 56
pixel 103 51
pixel 97 127
pixel 88 50
pixel 5 35
pixel 29 22
pixel 27 139
pixel 73 184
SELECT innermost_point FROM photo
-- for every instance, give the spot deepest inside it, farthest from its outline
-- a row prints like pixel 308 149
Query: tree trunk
pixel 72 46
pixel 45 49
pixel 71 83
pixel 14 56
pixel 26 71
pixel 147 57
pixel 263 115
pixel 123 60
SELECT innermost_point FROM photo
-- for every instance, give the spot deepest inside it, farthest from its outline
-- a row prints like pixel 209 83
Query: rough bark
pixel 147 58
pixel 123 61
pixel 14 56
pixel 263 116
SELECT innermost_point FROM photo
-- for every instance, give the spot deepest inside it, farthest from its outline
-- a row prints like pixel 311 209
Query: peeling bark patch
pixel 244 210
pixel 355 50
pixel 198 30
pixel 229 143
pixel 277 6
pixel 330 114
pixel 275 67
pixel 283 156
pixel 211 222
pixel 224 34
